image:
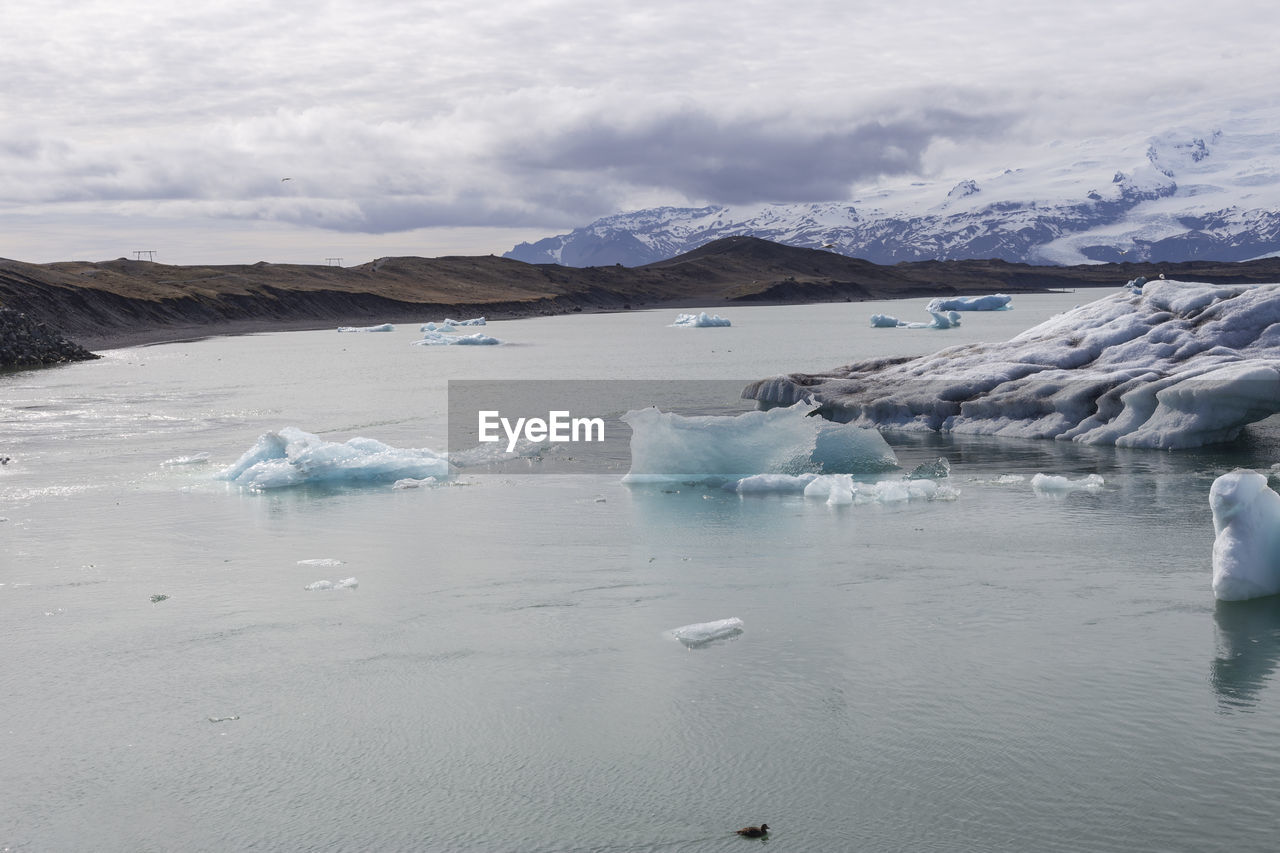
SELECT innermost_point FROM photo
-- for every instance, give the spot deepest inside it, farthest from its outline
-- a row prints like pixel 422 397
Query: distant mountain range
pixel 1212 194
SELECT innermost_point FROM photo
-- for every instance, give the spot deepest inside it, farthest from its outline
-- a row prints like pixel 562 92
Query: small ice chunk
pixel 192 459
pixel 759 484
pixel 411 483
pixel 321 562
pixel 941 320
pixel 224 719
pixel 385 327
pixel 701 320
pixel 1052 484
pixel 939 469
pixel 346 583
pixel 1246 546
pixel 291 457
pixel 702 633
pixel 449 323
pixel 885 321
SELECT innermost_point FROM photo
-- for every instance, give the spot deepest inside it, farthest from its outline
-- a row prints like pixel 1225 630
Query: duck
pixel 754 831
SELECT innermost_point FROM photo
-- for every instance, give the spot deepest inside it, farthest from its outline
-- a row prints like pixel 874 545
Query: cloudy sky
pixel 433 128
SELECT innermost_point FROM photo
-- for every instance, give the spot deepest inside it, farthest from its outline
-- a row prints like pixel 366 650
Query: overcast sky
pixel 433 128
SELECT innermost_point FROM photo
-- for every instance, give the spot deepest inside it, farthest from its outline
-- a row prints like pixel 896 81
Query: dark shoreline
pixel 123 303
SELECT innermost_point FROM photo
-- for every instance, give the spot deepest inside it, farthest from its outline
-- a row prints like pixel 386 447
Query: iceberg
pixel 990 302
pixel 1180 364
pixel 1052 484
pixel 703 633
pixel 385 327
pixel 346 583
pixel 669 447
pixel 436 339
pixel 941 320
pixel 291 457
pixel 322 562
pixel 1246 545
pixel 448 323
pixel 700 321
pixel 191 459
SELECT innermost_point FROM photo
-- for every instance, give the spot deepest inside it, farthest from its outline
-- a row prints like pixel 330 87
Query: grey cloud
pixel 739 161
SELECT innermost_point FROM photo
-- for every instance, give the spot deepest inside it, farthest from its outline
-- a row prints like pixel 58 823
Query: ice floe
pixel 669 447
pixel 291 457
pixel 440 339
pixel 345 583
pixel 321 562
pixel 1054 484
pixel 1246 546
pixel 1180 364
pixel 843 489
pixel 701 320
pixel 385 327
pixel 702 633
pixel 449 323
pixel 941 320
pixel 990 302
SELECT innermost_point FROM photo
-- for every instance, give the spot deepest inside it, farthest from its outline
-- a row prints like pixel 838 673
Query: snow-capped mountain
pixel 1182 195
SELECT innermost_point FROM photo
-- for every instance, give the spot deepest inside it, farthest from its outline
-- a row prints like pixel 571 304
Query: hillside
pixel 113 302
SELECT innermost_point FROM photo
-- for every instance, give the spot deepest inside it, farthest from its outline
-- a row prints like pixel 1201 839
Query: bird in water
pixel 754 831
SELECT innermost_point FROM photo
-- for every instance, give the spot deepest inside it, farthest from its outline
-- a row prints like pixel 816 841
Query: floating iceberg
pixel 438 339
pixel 990 302
pixel 1178 365
pixel 938 469
pixel 941 320
pixel 1246 548
pixel 700 321
pixel 1052 484
pixel 448 323
pixel 322 562
pixel 706 632
pixel 666 446
pixel 291 457
pixel 346 583
pixel 385 327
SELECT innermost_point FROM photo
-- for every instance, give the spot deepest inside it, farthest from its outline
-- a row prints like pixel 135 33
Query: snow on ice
pixel 1180 364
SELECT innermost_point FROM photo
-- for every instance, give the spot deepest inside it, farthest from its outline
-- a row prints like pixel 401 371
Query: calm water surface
pixel 1000 672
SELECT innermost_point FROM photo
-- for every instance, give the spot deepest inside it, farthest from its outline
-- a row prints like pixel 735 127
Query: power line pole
pixel 150 253
pixel 333 262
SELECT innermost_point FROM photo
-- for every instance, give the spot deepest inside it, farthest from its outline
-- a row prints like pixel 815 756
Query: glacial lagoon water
pixel 1003 671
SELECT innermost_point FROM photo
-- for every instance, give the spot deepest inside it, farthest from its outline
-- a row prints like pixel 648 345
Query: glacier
pixel 702 633
pixel 701 320
pixel 1246 545
pixel 291 457
pixel 668 447
pixel 1179 364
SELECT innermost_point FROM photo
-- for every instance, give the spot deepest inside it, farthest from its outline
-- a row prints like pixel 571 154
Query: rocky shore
pixel 27 343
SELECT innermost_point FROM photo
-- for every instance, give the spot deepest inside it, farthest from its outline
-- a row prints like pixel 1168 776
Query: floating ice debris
pixel 193 459
pixel 702 320
pixel 449 323
pixel 990 302
pixel 1003 480
pixel 670 447
pixel 705 632
pixel 1052 484
pixel 842 489
pixel 411 483
pixel 385 327
pixel 224 719
pixel 321 562
pixel 1178 365
pixel 439 339
pixel 939 469
pixel 764 484
pixel 346 583
pixel 941 320
pixel 291 457
pixel 1246 547
pixel 156 599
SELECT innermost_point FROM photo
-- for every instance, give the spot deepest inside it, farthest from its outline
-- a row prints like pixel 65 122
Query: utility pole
pixel 333 262
pixel 150 253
